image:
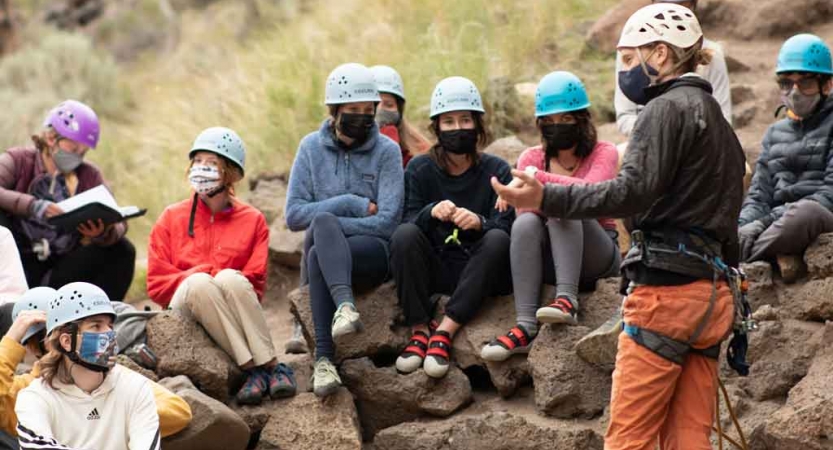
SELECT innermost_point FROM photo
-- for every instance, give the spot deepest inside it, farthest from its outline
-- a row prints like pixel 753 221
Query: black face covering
pixel 459 142
pixel 560 136
pixel 356 126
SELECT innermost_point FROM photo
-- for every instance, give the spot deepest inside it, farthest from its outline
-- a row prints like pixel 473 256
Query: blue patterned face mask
pixel 96 349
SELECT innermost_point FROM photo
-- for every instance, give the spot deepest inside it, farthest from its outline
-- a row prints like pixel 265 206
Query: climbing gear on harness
pixel 676 350
pixel 719 427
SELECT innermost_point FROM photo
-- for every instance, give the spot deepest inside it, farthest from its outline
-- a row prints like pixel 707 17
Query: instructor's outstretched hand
pixel 528 195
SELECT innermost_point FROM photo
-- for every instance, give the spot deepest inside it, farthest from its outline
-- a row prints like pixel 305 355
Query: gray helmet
pixel 77 301
pixel 221 141
pixel 37 299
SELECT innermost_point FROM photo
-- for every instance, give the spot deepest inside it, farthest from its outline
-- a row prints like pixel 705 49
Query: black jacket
pixel 683 171
pixel 426 184
pixel 796 163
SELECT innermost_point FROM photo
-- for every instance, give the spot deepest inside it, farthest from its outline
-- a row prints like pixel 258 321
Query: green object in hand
pixel 453 238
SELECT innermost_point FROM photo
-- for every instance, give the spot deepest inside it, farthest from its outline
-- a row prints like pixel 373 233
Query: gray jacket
pixel 796 163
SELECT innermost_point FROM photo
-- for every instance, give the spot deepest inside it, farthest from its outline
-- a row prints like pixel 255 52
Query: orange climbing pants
pixel 653 400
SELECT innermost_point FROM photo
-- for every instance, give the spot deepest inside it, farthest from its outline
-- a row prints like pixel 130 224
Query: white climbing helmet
pixel 455 94
pixel 35 299
pixel 661 22
pixel 349 83
pixel 388 81
pixel 77 301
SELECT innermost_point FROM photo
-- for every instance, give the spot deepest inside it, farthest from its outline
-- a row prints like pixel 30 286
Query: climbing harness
pixel 676 350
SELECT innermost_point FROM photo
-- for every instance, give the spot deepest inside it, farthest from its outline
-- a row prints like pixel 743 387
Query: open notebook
pixel 96 203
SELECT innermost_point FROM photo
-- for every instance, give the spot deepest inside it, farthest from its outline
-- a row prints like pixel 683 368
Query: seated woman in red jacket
pixel 207 260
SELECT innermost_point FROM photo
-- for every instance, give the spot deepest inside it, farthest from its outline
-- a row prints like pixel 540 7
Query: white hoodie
pixel 119 415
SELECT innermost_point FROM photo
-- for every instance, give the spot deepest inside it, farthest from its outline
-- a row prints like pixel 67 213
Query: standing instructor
pixel 681 187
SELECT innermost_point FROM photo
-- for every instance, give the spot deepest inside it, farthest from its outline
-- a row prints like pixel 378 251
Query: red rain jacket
pixel 236 238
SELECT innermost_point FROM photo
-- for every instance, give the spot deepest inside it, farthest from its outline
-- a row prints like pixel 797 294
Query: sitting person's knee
pixel 323 219
pixel 525 223
pixel 405 234
pixel 497 240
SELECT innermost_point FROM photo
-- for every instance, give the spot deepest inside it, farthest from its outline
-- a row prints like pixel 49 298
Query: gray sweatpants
pixel 801 224
pixel 557 251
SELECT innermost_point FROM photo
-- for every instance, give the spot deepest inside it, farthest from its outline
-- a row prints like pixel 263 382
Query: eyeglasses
pixel 805 85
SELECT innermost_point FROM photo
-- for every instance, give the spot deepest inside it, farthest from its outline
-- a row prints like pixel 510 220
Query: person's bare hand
pixel 25 320
pixel 528 195
pixel 372 209
pixel 52 210
pixel 92 229
pixel 466 220
pixel 444 210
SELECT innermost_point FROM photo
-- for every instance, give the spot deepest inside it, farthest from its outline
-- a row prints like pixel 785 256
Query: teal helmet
pixel 221 141
pixel 36 299
pixel 804 53
pixel 77 301
pixel 560 92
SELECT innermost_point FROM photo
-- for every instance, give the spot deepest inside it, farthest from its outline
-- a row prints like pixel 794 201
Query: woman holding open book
pixel 33 180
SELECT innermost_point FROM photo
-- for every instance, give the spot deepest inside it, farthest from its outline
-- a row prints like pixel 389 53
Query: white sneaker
pixel 325 379
pixel 346 321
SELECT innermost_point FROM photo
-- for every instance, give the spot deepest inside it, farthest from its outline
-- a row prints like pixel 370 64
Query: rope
pixel 719 428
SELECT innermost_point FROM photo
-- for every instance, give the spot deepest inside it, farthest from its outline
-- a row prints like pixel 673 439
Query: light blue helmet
pixel 560 92
pixel 350 83
pixel 224 142
pixel 77 301
pixel 455 94
pixel 804 53
pixel 36 299
pixel 388 80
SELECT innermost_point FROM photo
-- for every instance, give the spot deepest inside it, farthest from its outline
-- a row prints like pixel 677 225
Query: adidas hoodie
pixel 119 415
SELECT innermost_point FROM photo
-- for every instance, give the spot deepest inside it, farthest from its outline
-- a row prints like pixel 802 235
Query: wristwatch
pixel 531 170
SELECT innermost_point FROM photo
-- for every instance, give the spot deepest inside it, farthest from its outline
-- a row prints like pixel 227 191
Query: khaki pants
pixel 226 305
pixel 654 401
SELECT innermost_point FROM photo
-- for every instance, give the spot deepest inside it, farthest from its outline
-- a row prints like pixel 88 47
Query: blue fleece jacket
pixel 326 177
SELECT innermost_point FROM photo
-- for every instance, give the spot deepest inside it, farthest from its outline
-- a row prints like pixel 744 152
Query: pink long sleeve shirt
pixel 599 166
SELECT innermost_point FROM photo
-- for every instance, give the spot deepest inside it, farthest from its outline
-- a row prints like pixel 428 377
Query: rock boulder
pixel 493 430
pixel 307 422
pixel 383 334
pixel 183 348
pixel 385 398
pixel 213 427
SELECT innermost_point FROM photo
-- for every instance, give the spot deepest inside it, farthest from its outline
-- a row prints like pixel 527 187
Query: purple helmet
pixel 74 120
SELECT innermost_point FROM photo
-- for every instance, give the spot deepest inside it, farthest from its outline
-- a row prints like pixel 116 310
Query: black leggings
pixel 7 442
pixel 110 268
pixel 336 260
pixel 420 271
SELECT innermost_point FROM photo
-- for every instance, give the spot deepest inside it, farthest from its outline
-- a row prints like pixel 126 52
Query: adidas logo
pixel 93 415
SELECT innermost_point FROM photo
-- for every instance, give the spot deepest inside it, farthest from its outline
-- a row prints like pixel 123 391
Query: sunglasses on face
pixel 805 85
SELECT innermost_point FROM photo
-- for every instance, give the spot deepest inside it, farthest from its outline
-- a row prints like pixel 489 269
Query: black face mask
pixel 356 126
pixel 559 136
pixel 459 142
